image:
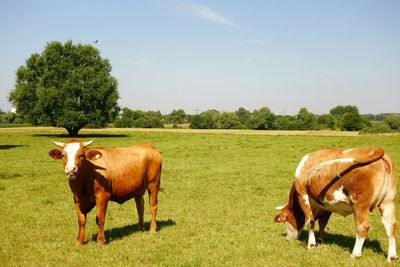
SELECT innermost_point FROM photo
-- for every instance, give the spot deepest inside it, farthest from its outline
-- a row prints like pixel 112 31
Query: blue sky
pixel 198 55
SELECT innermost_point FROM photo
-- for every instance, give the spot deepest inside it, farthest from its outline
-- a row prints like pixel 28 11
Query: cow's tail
pixel 349 158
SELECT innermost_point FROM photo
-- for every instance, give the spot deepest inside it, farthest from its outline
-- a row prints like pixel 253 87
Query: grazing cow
pixel 101 174
pixel 342 181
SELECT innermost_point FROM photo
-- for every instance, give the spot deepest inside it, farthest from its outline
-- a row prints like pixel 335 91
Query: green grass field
pixel 217 208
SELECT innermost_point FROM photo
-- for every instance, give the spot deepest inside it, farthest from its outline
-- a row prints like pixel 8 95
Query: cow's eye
pixel 63 155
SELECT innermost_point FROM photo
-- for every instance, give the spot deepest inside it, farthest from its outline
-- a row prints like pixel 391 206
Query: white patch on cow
pixel 358 247
pixel 306 200
pixel 347 150
pixel 311 236
pixel 392 254
pixel 291 232
pixel 339 195
pixel 71 150
pixel 301 165
pixel 334 161
pixel 339 204
pixel 392 249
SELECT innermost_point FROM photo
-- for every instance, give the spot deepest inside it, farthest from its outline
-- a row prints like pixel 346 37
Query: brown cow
pixel 102 174
pixel 342 181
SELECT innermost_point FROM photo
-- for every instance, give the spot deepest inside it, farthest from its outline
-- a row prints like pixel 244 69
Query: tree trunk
pixel 73 132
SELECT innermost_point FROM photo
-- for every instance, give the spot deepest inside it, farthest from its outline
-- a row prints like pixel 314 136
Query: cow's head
pixel 73 154
pixel 287 217
pixel 291 215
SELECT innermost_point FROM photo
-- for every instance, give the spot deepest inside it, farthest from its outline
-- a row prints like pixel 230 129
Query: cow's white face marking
pixel 291 232
pixel 71 150
pixel 301 165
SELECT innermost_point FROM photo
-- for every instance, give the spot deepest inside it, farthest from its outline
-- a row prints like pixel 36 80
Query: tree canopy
pixel 67 86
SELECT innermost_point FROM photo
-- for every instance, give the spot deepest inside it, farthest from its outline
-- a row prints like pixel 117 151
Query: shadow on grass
pixel 346 242
pixel 121 232
pixel 81 136
pixel 4 147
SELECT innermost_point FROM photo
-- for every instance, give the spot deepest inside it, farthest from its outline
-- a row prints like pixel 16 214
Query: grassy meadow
pixel 216 209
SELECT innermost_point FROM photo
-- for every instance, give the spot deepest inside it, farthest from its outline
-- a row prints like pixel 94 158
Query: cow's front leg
pixel 140 210
pixel 80 240
pixel 322 222
pixel 101 208
pixel 304 202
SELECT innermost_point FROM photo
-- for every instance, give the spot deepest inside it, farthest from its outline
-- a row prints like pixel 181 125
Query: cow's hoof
pixel 391 259
pixel 79 243
pixel 100 242
pixel 311 246
pixel 355 256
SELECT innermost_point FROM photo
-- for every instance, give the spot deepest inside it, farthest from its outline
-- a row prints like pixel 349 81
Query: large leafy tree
pixel 67 86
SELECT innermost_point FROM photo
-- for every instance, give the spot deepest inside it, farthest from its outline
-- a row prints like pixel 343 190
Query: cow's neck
pixel 83 184
pixel 295 208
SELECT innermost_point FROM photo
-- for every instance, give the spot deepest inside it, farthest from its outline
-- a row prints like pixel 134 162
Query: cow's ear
pixel 93 154
pixel 56 154
pixel 281 217
pixel 280 207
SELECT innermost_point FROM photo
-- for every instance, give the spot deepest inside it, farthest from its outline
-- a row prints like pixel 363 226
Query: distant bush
pixel 378 128
pixel 11 118
pixel 286 123
pixel 139 119
pixel 393 121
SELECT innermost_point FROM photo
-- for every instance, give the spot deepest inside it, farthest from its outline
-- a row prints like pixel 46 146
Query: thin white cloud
pixel 204 12
pixel 255 41
pixel 141 61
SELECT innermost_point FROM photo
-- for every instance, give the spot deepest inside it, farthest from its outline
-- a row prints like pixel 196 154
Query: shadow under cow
pixel 5 147
pixel 121 232
pixel 346 242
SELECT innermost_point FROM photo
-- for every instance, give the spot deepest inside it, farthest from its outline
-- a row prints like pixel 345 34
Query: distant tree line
pixel 345 118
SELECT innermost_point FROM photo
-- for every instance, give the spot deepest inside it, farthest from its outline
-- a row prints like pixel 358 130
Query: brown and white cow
pixel 342 181
pixel 99 175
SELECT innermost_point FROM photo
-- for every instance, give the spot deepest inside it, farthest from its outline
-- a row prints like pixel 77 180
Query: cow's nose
pixel 69 169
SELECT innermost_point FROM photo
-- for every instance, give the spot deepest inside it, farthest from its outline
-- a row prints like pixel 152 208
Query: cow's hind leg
pixel 387 209
pixel 152 188
pixel 153 191
pixel 362 227
pixel 140 210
